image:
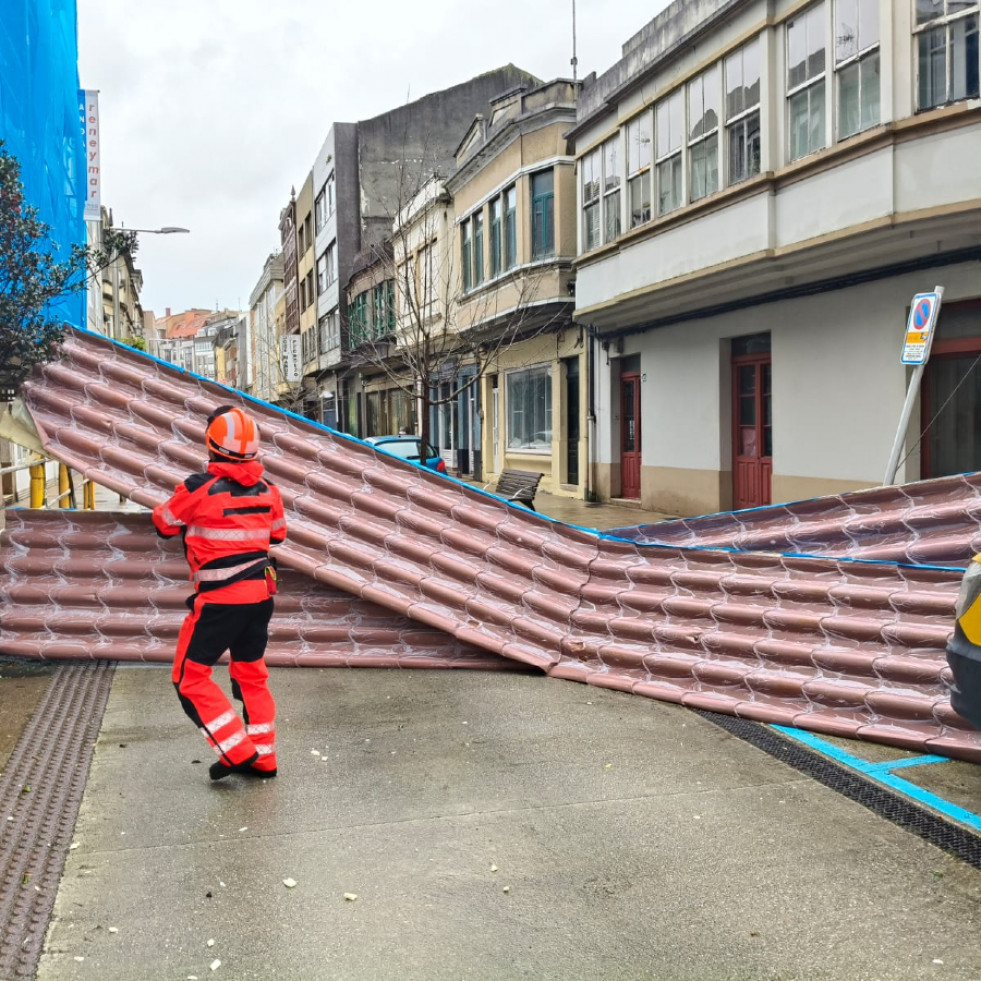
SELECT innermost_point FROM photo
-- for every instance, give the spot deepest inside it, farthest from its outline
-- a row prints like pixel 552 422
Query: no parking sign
pixel 920 328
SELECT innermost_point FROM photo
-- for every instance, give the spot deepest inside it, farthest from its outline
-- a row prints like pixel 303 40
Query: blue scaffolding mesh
pixel 39 120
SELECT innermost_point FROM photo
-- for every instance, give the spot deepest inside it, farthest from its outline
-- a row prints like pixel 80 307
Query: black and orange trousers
pixel 242 629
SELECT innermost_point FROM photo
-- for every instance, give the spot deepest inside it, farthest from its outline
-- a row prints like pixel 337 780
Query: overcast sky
pixel 212 109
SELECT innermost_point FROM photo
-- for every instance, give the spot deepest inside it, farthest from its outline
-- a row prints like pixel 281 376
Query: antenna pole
pixel 575 60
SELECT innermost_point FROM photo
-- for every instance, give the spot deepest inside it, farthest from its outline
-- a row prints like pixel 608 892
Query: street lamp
pixel 165 230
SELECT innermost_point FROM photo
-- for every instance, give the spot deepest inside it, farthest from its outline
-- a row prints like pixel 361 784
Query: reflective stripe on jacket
pixel 229 517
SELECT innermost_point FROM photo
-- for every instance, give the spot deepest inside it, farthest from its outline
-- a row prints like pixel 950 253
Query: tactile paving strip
pixel 40 794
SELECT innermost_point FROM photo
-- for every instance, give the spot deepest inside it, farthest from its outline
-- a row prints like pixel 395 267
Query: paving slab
pixel 491 826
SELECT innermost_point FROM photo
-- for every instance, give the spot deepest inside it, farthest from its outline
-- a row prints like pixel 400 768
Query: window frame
pixel 542 215
pixel 811 84
pixel 495 208
pixel 673 156
pixel 591 166
pixel 705 137
pixel 741 122
pixel 862 55
pixel 531 373
pixel 510 198
pixel 946 22
pixel 640 176
pixel 466 255
pixel 477 218
pixel 359 319
pixel 611 184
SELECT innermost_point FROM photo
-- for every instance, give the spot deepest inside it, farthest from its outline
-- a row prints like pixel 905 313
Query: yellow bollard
pixel 88 495
pixel 64 487
pixel 37 485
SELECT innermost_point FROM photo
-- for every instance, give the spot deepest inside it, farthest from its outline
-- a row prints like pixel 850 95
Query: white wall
pixel 838 382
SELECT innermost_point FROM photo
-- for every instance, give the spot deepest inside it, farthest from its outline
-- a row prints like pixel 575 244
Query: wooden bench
pixel 519 486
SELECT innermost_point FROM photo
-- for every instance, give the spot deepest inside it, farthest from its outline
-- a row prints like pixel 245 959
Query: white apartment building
pixel 763 187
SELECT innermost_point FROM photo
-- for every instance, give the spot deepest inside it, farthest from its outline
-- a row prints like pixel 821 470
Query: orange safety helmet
pixel 232 433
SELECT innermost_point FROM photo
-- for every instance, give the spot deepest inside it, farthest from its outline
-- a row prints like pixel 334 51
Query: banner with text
pixel 290 358
pixel 88 117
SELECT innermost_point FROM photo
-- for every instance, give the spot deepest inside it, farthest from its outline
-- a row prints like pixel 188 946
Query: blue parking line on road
pixel 890 765
pixel 880 773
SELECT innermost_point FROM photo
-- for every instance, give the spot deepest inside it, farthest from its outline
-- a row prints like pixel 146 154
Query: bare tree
pixel 438 319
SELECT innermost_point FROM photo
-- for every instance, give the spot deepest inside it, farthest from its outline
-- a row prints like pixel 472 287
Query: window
pixel 805 82
pixel 308 343
pixel 322 274
pixel 669 128
pixel 329 192
pixel 640 137
pixel 529 413
pixel 542 214
pixel 331 260
pixel 330 332
pixel 591 167
pixel 466 255
pixel 495 236
pixel 320 210
pixel 742 82
pixel 478 248
pixel 510 227
pixel 611 189
pixel 857 65
pixel 359 321
pixel 947 51
pixel 383 305
pixel 704 103
pixel 311 295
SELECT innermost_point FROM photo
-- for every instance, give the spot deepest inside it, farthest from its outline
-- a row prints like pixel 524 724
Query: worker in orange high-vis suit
pixel 229 516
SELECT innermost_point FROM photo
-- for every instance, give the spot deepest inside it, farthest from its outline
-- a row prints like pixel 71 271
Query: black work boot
pixel 220 769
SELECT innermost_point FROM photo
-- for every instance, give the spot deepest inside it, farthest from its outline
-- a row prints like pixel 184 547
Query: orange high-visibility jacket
pixel 229 517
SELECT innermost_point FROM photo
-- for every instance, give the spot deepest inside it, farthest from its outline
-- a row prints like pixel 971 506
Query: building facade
pixel 364 174
pixel 270 345
pixel 763 187
pixel 519 404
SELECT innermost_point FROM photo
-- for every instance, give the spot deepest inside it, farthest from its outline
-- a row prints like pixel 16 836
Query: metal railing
pixel 38 494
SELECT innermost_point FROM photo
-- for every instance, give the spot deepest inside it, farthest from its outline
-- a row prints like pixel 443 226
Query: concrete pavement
pixel 491 826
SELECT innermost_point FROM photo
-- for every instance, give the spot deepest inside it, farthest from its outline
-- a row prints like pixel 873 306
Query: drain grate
pixel 40 794
pixel 928 826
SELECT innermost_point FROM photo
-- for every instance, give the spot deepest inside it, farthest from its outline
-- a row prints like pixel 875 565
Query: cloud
pixel 213 109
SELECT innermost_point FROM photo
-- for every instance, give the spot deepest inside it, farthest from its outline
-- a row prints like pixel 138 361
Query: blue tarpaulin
pixel 39 120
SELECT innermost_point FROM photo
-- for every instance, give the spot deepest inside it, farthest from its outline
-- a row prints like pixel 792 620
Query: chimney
pixel 167 314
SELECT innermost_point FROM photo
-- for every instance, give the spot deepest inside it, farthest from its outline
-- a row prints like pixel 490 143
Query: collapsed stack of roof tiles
pixel 833 645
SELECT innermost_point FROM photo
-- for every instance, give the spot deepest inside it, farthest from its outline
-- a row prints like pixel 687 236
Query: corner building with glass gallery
pixel 762 189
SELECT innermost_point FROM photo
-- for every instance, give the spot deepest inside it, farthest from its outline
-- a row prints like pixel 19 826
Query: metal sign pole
pixel 897 446
pixel 926 330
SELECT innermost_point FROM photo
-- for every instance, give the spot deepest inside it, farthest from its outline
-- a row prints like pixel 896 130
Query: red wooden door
pixel 752 445
pixel 630 434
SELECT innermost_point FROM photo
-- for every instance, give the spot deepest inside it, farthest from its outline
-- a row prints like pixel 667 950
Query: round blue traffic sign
pixel 921 316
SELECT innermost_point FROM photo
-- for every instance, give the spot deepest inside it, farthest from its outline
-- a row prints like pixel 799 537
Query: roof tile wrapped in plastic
pixel 835 645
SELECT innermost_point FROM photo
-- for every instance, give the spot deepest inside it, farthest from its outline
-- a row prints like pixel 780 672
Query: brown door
pixel 630 434
pixel 752 447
